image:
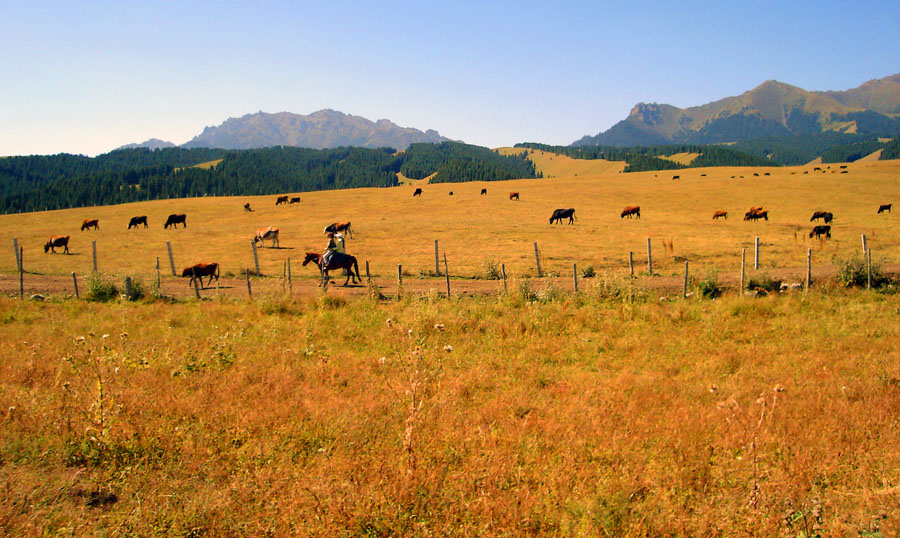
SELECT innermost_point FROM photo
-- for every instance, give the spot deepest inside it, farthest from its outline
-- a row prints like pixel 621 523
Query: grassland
pixel 391 227
pixel 526 415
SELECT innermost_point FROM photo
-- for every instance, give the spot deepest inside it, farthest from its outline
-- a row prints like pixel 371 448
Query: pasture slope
pixel 391 227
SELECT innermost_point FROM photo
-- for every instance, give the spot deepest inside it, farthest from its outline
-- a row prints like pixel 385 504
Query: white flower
pixel 439 326
pixel 448 348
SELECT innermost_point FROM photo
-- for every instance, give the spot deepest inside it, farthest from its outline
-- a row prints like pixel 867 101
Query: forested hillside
pixel 644 158
pixel 127 175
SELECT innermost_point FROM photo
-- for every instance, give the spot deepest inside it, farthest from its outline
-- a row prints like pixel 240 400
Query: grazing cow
pixel 90 223
pixel 560 214
pixel 483 191
pixel 281 200
pixel 339 227
pixel 247 207
pixel 175 219
pixel 825 215
pixel 767 174
pixel 514 196
pixel 267 233
pixel 417 192
pixel 756 215
pixel 451 193
pixel 843 166
pixel 720 214
pixel 201 270
pixel 820 231
pixel 57 241
pixel 818 169
pixel 631 211
pixel 676 177
pixel 884 207
pixel 135 221
pixel 294 200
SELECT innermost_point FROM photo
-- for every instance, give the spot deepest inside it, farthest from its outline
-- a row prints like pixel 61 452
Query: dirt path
pixel 62 286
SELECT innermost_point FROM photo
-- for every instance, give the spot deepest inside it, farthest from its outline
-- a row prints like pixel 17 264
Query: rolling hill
pixel 772 109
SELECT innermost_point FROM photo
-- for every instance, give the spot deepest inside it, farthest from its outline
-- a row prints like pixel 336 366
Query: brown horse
pixel 338 260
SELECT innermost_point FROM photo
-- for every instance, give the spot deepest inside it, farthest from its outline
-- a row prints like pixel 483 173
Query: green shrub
pixel 709 287
pixel 492 270
pixel 764 282
pixel 853 272
pixel 588 272
pixel 138 289
pixel 101 288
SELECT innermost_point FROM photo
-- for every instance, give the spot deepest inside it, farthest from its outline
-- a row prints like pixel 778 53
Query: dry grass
pixel 681 158
pixel 529 415
pixel 391 227
pixel 553 165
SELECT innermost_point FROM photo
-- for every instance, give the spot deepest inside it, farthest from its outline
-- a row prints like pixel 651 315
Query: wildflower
pixel 382 360
pixel 439 326
pixel 448 348
pixel 713 389
pixel 778 388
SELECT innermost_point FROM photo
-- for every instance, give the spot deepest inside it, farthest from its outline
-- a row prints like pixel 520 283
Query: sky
pixel 87 77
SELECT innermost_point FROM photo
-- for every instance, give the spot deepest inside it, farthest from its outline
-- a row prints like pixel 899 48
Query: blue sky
pixel 86 77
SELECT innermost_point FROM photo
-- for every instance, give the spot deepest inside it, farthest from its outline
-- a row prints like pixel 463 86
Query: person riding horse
pixel 335 244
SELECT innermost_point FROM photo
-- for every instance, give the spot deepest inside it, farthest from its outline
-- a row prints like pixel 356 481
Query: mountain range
pixel 319 130
pixel 772 109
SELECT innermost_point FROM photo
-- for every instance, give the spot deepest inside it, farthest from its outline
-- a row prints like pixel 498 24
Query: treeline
pixel 798 150
pixel 38 183
pixel 454 162
pixel 648 158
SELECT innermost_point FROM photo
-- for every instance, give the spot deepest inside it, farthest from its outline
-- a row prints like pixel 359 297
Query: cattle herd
pixel 211 270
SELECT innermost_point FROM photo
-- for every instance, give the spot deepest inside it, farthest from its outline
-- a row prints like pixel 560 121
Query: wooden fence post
pixel 503 273
pixel 21 273
pixel 868 269
pixel 171 258
pixel 128 288
pixel 743 263
pixel 575 277
pixel 249 289
pixel 756 256
pixel 368 276
pixel 158 286
pixel 75 284
pixel 649 258
pixel 447 274
pixel 437 265
pixel 94 250
pixel 684 290
pixel 399 279
pixel 255 258
pixel 808 269
pixel 16 249
pixel 537 260
pixel 631 262
pixel 864 246
pixel 290 280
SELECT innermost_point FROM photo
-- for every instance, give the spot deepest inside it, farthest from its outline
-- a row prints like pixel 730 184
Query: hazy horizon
pixel 89 78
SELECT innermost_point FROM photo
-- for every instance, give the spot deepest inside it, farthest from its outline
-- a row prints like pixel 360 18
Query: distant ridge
pixel 153 143
pixel 319 130
pixel 772 109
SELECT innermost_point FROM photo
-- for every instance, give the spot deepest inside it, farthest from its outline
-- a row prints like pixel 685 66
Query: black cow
pixel 483 191
pixel 135 221
pixel 884 207
pixel 560 214
pixel 825 215
pixel 417 192
pixel 820 231
pixel 176 219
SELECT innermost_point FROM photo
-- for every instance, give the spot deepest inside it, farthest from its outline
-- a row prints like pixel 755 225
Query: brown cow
pixel 339 227
pixel 756 215
pixel 201 270
pixel 514 196
pixel 267 233
pixel 90 223
pixel 294 200
pixel 720 214
pixel 631 211
pixel 175 219
pixel 281 200
pixel 57 241
pixel 884 207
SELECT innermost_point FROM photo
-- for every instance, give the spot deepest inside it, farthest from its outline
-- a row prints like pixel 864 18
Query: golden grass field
pixel 391 227
pixel 612 412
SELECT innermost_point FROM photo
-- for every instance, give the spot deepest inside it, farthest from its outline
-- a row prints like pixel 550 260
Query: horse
pixel 514 196
pixel 417 192
pixel 632 210
pixel 884 207
pixel 175 219
pixel 336 227
pixel 281 200
pixel 338 260
pixel 821 230
pixel 560 214
pixel 57 241
pixel 267 233
pixel 135 221
pixel 90 223
pixel 201 270
pixel 722 214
